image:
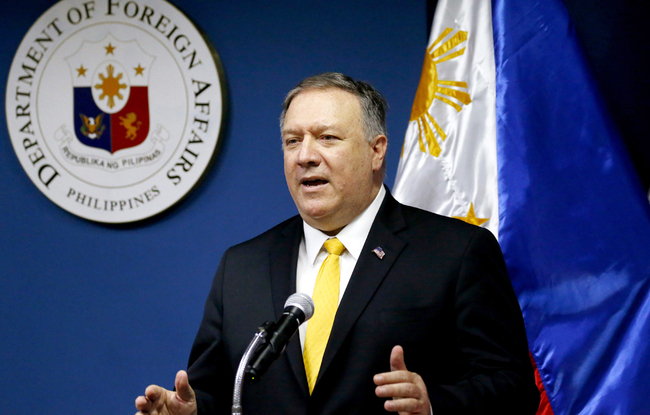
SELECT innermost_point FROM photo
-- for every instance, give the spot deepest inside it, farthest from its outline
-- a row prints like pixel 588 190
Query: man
pixel 409 286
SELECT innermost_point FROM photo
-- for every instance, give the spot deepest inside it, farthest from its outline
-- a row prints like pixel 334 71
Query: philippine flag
pixel 508 132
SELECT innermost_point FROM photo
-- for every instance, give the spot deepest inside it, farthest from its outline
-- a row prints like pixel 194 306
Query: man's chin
pixel 317 217
pixel 314 215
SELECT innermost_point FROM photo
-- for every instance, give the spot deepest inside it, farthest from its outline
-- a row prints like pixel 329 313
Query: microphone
pixel 298 308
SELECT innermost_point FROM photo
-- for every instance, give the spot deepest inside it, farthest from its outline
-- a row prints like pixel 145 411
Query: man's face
pixel 332 171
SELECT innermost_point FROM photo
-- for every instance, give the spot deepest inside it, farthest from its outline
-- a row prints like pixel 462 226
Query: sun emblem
pixel 110 86
pixel 430 88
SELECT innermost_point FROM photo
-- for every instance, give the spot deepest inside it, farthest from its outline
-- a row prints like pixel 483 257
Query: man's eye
pixel 328 137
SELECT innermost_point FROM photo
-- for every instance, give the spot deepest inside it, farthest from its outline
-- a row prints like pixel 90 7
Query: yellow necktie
pixel 326 299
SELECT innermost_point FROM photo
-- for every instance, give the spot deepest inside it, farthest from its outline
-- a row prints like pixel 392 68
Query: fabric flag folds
pixel 508 132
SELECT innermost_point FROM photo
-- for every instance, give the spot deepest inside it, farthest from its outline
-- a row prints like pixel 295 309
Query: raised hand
pixel 160 401
pixel 407 389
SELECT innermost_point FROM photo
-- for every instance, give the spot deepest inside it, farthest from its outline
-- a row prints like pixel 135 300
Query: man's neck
pixel 361 223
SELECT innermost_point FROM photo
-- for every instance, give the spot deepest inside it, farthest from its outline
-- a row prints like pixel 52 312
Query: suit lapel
pixel 283 261
pixel 368 274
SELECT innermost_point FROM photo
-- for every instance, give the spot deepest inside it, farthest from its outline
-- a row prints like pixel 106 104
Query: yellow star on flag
pixel 109 49
pixel 81 71
pixel 471 217
pixel 139 70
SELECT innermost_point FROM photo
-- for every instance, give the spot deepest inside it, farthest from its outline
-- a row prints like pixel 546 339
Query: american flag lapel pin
pixel 379 252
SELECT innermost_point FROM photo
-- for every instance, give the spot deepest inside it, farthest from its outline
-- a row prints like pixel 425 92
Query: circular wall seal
pixel 114 107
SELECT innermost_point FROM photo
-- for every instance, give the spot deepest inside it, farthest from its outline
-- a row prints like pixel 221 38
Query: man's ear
pixel 379 146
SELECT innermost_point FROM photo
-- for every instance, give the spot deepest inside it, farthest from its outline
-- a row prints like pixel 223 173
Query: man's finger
pixel 401 376
pixel 183 389
pixel 403 405
pixel 142 403
pixel 154 393
pixel 399 390
pixel 397 359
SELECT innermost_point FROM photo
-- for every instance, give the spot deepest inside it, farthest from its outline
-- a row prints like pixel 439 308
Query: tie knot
pixel 334 246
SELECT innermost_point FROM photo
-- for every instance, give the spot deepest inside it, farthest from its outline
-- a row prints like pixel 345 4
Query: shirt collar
pixel 352 236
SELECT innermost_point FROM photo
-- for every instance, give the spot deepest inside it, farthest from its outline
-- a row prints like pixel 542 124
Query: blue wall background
pixel 89 314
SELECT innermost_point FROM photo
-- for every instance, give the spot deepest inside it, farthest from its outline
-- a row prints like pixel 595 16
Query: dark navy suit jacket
pixel 441 291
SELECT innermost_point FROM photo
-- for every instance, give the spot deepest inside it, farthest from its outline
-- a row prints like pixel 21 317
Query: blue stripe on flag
pixel 574 220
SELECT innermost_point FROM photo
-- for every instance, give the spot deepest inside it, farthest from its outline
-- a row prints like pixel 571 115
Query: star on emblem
pixel 81 71
pixel 109 49
pixel 471 217
pixel 139 70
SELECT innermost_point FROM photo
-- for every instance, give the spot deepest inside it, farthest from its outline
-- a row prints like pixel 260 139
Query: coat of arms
pixel 111 99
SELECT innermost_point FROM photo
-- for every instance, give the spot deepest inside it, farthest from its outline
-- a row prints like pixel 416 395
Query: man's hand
pixel 160 401
pixel 406 388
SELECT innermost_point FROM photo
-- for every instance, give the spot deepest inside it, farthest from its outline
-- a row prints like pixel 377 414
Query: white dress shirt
pixel 312 252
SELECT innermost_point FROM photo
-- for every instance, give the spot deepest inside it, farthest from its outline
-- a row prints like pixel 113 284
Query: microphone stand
pixel 259 339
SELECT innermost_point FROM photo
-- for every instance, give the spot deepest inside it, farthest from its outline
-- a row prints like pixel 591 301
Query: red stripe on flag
pixel 544 405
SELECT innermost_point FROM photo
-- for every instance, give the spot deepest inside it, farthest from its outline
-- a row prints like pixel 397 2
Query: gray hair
pixel 373 104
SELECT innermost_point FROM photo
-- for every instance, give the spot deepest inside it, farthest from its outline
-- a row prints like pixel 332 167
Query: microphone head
pixel 303 302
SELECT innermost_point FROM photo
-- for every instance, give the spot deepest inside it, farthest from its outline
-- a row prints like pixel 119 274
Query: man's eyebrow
pixel 290 131
pixel 318 128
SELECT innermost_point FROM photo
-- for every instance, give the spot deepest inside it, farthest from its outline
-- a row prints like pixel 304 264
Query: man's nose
pixel 308 154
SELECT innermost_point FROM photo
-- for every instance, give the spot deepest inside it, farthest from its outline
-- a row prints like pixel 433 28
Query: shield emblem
pixel 111 98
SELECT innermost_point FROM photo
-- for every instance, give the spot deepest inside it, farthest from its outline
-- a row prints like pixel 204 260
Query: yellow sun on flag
pixel 431 88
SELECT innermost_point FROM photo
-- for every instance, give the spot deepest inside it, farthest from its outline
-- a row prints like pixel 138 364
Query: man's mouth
pixel 313 182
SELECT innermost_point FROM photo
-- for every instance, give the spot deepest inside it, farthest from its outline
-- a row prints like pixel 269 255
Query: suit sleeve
pixel 208 370
pixel 497 376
